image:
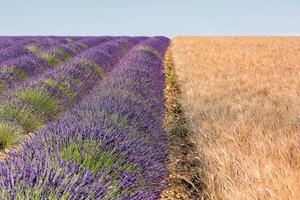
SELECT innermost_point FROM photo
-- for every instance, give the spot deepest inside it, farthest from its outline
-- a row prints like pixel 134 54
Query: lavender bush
pixel 41 99
pixel 109 146
pixel 20 68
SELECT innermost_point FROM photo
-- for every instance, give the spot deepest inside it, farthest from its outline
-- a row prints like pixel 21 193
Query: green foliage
pixel 31 109
pixel 65 55
pixel 9 134
pixel 25 116
pixel 34 49
pixel 176 124
pixel 170 74
pixel 93 159
pixel 178 129
pixel 51 59
pixel 97 68
pixel 19 73
pixel 41 101
pixel 2 86
pixel 63 87
pixel 94 65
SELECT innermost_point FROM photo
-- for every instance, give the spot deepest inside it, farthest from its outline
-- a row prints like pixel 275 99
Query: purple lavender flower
pixel 111 145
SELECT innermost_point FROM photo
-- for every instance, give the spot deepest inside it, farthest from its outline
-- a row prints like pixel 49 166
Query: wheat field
pixel 241 96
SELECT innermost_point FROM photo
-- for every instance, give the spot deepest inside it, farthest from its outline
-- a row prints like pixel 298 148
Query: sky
pixel 149 17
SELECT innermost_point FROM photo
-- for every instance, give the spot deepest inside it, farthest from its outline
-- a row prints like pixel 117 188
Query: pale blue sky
pixel 150 17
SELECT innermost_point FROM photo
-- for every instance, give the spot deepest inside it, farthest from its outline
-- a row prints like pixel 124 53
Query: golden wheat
pixel 242 98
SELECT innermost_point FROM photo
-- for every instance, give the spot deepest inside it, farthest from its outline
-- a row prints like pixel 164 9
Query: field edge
pixel 184 180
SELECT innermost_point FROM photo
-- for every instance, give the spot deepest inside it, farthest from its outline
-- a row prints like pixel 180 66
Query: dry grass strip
pixel 184 179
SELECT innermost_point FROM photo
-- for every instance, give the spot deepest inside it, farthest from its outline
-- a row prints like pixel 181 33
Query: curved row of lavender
pixel 40 41
pixel 22 47
pixel 40 100
pixel 110 146
pixel 56 54
pixel 40 59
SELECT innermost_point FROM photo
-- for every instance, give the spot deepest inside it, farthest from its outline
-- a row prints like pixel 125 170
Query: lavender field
pixel 82 118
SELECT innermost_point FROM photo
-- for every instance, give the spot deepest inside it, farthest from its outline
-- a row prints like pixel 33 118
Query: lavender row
pixel 28 40
pixel 43 99
pixel 57 54
pixel 110 146
pixel 29 45
pixel 21 68
pixel 59 70
pixel 25 47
